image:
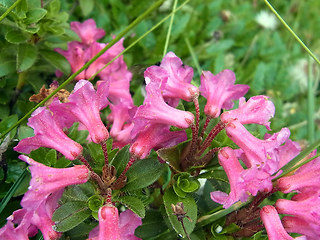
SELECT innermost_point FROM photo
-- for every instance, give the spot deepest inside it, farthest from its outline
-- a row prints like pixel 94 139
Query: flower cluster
pixel 152 126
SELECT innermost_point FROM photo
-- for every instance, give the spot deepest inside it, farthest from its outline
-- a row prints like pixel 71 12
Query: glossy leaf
pixel 190 207
pixel 143 173
pixel 121 159
pixel 70 215
pixel 7 68
pixel 35 15
pixel 57 60
pixel 16 37
pixel 135 204
pixel 26 57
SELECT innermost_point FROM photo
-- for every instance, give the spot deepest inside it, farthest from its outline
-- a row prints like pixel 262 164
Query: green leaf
pixel 35 15
pixel 79 136
pixel 7 123
pixel 24 132
pixel 69 215
pixel 57 60
pixel 7 68
pixel 51 157
pixel 39 155
pixel 121 159
pixel 16 37
pixel 135 204
pixel 22 8
pixel 86 6
pixel 27 55
pixel 96 153
pixel 190 207
pixel 143 173
pixel 152 225
pixel 173 154
pixel 54 6
pixel 95 202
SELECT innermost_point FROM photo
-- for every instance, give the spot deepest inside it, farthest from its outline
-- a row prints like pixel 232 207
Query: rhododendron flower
pixel 179 77
pixel 48 134
pixel 83 106
pixel 75 56
pixel 47 180
pixel 220 90
pixel 306 177
pixel 256 150
pixel 272 222
pixel 155 110
pixel 242 181
pixel 155 136
pixel 298 225
pixel 257 109
pixel 87 31
pixel 29 220
pixel 113 227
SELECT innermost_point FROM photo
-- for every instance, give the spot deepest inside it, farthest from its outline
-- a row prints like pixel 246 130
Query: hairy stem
pixel 105 153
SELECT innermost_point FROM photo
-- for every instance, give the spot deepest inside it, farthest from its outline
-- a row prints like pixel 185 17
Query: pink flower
pixel 83 106
pixel 111 228
pixel 47 180
pixel 48 134
pixel 155 110
pixel 107 56
pixel 29 220
pixel 305 178
pixel 219 91
pixel 257 110
pixel 298 225
pixel 233 169
pixel 155 136
pixel 242 181
pixel 305 209
pixel 179 77
pixel 257 152
pixel 272 222
pixel 87 31
pixel 75 56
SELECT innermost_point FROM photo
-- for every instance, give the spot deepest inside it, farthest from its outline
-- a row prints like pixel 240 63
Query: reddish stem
pixel 213 133
pixel 196 104
pixel 131 161
pixel 205 126
pixel 105 153
pixel 85 162
pixel 109 196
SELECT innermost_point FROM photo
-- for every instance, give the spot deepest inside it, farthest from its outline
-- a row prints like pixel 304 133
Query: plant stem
pixel 105 153
pixel 111 43
pixel 292 32
pixel 169 29
pixel 310 125
pixel 197 107
pixel 193 55
pixel 9 9
pixel 205 126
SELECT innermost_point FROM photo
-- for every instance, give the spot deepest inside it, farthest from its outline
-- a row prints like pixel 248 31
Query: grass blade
pixel 169 29
pixel 9 10
pixel 12 190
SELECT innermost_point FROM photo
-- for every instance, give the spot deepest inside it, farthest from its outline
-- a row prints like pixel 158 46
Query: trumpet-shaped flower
pixel 156 110
pixel 242 181
pixel 83 106
pixel 113 227
pixel 48 134
pixel 307 177
pixel 155 136
pixel 298 225
pixel 75 56
pixel 272 222
pixel 220 90
pixel 256 150
pixel 47 180
pixel 257 109
pixel 179 77
pixel 87 31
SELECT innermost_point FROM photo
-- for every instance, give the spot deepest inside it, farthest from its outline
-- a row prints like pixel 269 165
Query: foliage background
pixel 222 34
